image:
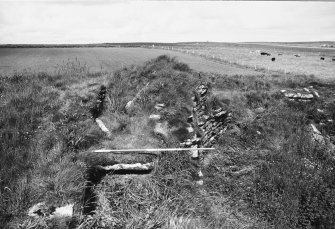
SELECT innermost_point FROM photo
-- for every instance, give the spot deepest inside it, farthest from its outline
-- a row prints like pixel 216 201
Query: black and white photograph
pixel 159 114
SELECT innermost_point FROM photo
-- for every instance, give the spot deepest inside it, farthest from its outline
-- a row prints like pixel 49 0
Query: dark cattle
pixel 297 55
pixel 322 58
pixel 273 59
pixel 333 59
pixel 265 54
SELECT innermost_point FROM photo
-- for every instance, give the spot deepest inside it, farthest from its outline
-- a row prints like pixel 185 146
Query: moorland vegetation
pixel 267 170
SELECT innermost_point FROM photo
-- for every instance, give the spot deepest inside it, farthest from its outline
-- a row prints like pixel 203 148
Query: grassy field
pixel 267 171
pixel 244 54
pixel 100 59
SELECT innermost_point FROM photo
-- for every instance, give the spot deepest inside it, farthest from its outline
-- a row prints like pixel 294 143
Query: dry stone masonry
pixel 211 125
pixel 98 106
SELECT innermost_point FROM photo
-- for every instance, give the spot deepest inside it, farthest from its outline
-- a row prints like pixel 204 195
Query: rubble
pixel 211 124
pixel 301 95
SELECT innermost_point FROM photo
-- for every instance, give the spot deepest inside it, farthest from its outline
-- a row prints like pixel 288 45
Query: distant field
pixel 97 59
pixel 245 54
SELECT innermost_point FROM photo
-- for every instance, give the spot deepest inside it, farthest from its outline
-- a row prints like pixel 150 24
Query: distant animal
pixel 265 54
pixel 322 58
pixel 297 55
pixel 333 59
pixel 273 59
pixel 279 54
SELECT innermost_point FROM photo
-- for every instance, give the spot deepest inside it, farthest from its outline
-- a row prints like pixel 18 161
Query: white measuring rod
pixel 148 150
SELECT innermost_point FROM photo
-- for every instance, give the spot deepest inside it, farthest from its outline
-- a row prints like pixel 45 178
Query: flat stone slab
pixel 113 158
pixel 134 167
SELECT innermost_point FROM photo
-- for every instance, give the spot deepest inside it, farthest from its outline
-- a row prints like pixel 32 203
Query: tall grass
pixel 36 151
pixel 266 171
pixel 291 185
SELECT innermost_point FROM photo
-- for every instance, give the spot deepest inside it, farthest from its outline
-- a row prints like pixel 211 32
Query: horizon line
pixel 157 42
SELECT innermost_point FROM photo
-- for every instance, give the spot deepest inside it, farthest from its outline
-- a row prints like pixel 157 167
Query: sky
pixel 98 21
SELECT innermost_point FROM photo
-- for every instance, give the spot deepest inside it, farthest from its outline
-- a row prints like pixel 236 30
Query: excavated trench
pixel 210 124
pixel 94 176
pixel 94 172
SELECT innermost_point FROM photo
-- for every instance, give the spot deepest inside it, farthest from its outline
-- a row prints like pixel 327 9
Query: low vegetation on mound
pixel 268 170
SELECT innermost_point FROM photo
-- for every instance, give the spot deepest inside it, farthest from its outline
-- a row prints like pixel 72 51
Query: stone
pixel 155 117
pixel 196 140
pixel 190 129
pixel 136 166
pixel 316 134
pixel 315 130
pixel 212 139
pixel 188 142
pixel 220 114
pixel 65 211
pixel 129 104
pixel 206 117
pixel 316 94
pixel 37 210
pixel 159 106
pixel 307 96
pixel 202 90
pixel 103 127
pixel 218 110
pixel 260 110
pixel 289 95
pixel 297 95
pixel 194 152
pixel 201 123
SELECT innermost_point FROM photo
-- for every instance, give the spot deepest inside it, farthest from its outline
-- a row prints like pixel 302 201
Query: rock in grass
pixel 307 96
pixel 316 94
pixel 42 210
pixel 65 211
pixel 260 110
pixel 317 136
pixel 129 105
pixel 38 210
pixel 103 127
pixel 159 106
pixel 154 117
